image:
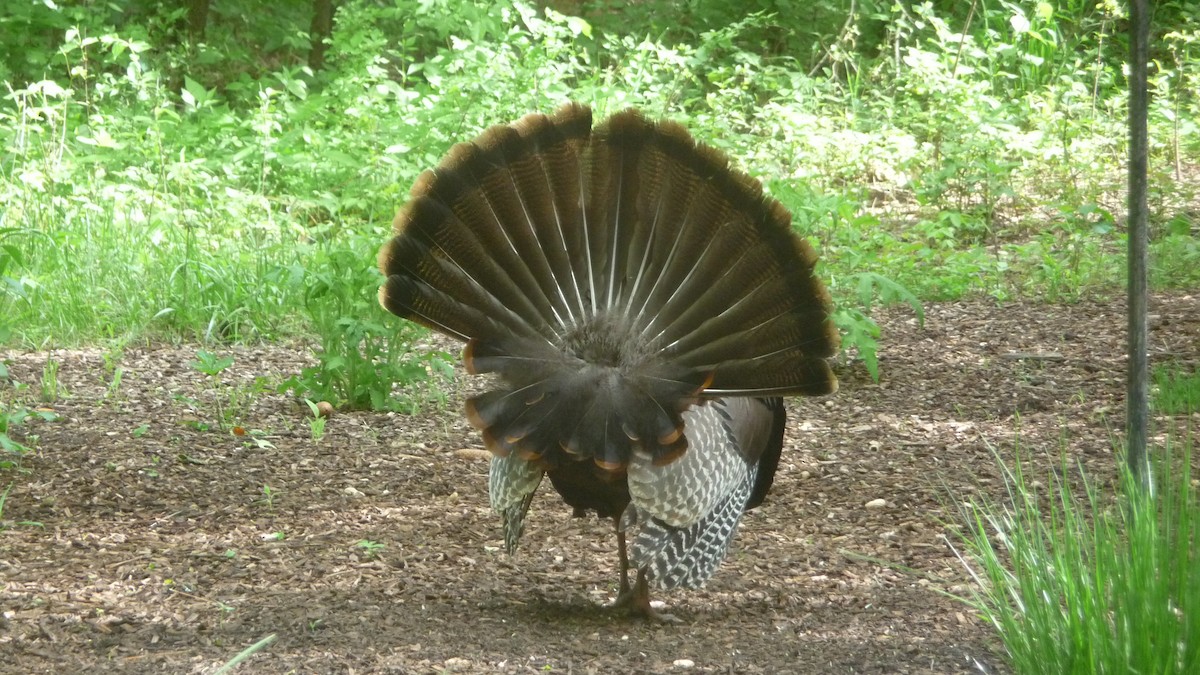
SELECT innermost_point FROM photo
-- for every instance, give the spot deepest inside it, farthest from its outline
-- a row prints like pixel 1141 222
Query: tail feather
pixel 773 375
pixel 781 333
pixel 511 486
pixel 521 197
pixel 440 291
pixel 436 255
pixel 610 277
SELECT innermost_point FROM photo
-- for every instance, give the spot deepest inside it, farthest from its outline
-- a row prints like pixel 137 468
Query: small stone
pixel 455 664
pixel 876 504
pixel 325 409
pixel 684 664
pixel 353 492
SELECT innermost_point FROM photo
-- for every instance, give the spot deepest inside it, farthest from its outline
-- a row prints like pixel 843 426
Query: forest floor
pixel 141 538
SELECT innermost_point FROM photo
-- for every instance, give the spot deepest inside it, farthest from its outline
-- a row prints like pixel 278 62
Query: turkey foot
pixel 636 600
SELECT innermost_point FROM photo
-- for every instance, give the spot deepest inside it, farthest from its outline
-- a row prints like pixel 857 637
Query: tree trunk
pixel 322 28
pixel 197 19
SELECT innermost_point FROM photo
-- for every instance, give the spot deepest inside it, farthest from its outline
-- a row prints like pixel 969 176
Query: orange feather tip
pixel 675 129
pixel 672 437
pixel 630 119
pixel 400 224
pixel 496 137
pixel 808 255
pixel 494 446
pixel 833 337
pixel 532 124
pixel 458 155
pixel 383 260
pixel 673 453
pixel 572 111
pixel 468 358
pixel 779 213
pixel 528 455
pixel 420 187
pixel 609 466
pixel 382 294
pixel 474 417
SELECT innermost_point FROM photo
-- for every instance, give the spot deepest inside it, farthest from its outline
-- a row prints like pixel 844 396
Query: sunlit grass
pixel 1075 581
pixel 132 209
pixel 1175 391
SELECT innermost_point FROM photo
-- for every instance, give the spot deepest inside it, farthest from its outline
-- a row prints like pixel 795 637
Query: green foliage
pixel 51 390
pixel 14 442
pixel 364 351
pixel 1176 392
pixel 12 288
pixel 371 548
pixel 232 664
pixel 200 190
pixel 12 417
pixel 4 502
pixel 212 366
pixel 9 419
pixel 316 424
pixel 268 497
pixel 1074 584
pixel 859 331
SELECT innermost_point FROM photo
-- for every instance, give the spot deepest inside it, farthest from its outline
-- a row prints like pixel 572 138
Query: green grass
pixel 137 210
pixel 1176 392
pixel 232 664
pixel 234 202
pixel 1074 581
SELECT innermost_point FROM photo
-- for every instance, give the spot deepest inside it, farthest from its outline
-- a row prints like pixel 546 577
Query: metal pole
pixel 1137 404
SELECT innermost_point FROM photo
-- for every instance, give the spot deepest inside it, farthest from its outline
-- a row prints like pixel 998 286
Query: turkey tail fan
pixel 612 278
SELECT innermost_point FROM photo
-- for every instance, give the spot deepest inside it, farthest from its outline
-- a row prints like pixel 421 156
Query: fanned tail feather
pixel 612 278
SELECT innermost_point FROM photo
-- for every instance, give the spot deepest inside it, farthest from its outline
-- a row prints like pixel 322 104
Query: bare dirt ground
pixel 136 540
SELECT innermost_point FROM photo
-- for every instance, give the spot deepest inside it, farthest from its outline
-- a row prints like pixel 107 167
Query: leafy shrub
pixel 12 417
pixel 364 351
pixel 12 288
pixel 859 331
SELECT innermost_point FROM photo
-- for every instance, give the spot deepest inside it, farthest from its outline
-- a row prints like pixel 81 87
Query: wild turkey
pixel 643 305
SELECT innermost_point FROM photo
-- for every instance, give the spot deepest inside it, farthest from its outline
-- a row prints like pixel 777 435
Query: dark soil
pixel 140 536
